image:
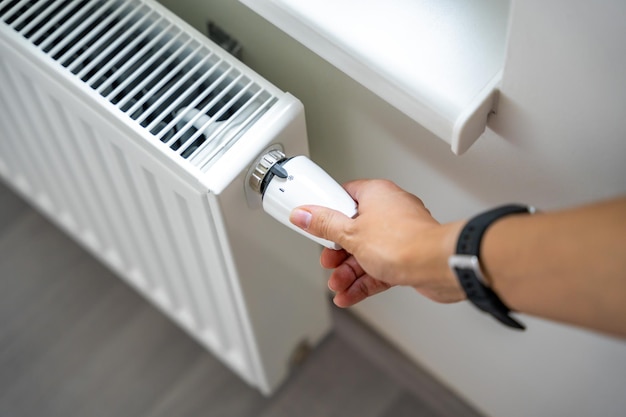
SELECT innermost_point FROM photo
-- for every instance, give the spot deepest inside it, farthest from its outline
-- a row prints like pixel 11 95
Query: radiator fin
pixel 56 166
pixel 176 88
pixel 28 153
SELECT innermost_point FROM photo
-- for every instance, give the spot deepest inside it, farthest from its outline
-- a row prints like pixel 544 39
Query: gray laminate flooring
pixel 76 341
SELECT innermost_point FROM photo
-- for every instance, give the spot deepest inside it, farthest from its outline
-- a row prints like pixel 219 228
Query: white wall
pixel 559 139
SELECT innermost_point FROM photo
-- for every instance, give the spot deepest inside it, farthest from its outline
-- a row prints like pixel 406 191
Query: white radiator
pixel 136 134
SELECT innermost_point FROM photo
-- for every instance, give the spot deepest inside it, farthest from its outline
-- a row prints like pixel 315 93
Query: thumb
pixel 321 222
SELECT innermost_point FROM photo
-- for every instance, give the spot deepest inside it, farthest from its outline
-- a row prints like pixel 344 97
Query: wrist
pixel 431 275
pixel 449 242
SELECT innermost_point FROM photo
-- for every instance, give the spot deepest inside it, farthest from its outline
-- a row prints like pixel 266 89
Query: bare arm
pixel 568 266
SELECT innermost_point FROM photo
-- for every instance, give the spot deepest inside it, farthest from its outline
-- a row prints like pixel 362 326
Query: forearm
pixel 568 266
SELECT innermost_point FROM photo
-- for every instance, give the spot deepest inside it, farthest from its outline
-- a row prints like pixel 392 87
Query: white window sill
pixel 438 61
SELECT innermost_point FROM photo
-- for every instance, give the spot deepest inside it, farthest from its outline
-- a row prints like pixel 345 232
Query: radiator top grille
pixel 162 77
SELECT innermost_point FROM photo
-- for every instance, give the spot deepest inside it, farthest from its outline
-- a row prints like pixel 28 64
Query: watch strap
pixel 485 298
pixel 470 275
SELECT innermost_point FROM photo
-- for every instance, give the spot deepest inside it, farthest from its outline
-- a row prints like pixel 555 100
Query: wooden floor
pixel 76 341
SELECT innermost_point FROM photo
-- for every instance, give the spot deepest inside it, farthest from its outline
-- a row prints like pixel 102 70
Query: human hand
pixel 393 241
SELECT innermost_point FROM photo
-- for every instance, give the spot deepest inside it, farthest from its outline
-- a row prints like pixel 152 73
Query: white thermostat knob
pixel 286 183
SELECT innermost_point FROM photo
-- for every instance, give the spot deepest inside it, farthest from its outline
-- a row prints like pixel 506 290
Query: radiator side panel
pixel 282 285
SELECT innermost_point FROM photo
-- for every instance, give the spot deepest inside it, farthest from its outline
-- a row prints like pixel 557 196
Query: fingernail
pixel 301 218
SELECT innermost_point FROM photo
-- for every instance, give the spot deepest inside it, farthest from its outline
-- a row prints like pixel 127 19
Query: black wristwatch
pixel 466 264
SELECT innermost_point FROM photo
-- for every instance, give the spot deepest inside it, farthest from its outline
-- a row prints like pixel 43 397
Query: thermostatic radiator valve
pixel 286 183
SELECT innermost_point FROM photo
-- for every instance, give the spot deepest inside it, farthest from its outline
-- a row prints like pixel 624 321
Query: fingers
pixel 345 274
pixel 377 199
pixel 353 188
pixel 363 287
pixel 331 259
pixel 367 190
pixel 330 224
pixel 351 283
pixel 321 222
